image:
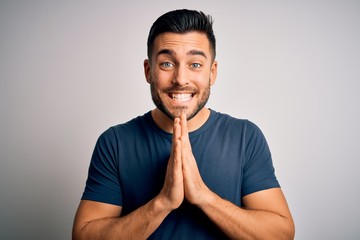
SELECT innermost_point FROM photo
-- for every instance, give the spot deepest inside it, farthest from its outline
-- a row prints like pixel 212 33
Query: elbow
pixel 285 231
pixel 290 230
pixel 292 233
pixel 78 232
pixel 76 235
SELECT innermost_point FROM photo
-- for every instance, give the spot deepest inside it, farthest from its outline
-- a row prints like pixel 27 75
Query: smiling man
pixel 181 70
pixel 182 171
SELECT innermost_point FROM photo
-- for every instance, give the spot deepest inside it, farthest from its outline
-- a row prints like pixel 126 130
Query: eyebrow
pixel 197 52
pixel 191 52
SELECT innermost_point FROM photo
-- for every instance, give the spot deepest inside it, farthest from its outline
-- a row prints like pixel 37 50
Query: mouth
pixel 181 97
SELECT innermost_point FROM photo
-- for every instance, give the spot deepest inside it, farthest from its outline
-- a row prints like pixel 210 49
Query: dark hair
pixel 182 21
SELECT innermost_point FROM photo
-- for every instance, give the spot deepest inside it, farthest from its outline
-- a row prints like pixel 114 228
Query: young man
pixel 182 171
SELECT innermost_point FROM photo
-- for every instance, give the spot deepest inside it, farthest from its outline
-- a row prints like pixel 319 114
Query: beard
pixel 176 111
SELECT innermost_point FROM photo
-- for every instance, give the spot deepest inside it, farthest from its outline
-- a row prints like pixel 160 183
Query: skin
pixel 181 63
pixel 265 214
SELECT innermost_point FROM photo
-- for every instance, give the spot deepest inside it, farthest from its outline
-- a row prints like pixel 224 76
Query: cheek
pixel 202 80
pixel 163 78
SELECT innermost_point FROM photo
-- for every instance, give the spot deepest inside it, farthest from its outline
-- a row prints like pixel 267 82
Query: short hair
pixel 182 21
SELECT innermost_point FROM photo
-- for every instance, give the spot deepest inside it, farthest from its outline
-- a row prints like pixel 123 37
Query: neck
pixel 167 124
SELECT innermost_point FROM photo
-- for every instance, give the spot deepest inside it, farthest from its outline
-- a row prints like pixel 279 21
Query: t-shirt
pixel 129 163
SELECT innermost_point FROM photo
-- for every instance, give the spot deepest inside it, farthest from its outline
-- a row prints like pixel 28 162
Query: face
pixel 180 73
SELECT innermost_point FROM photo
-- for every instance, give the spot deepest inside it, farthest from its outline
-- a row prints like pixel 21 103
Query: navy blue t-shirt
pixel 129 163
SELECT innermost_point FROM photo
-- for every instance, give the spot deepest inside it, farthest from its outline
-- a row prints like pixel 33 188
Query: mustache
pixel 180 89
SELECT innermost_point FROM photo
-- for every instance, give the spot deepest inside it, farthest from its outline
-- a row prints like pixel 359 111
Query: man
pixel 182 171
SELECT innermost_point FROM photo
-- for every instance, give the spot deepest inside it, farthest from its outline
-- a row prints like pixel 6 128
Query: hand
pixel 173 189
pixel 194 187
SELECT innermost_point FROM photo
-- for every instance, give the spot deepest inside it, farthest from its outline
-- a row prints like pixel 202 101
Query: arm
pixel 265 216
pixel 96 220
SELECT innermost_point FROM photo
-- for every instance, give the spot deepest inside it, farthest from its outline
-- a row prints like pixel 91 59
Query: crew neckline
pixel 209 121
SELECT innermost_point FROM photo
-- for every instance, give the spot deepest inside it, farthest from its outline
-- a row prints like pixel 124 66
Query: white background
pixel 71 69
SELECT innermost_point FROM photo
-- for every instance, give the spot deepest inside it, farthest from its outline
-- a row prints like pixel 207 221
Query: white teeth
pixel 181 97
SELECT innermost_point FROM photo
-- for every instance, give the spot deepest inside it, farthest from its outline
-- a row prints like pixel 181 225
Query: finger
pixel 176 129
pixel 184 127
pixel 185 133
pixel 176 144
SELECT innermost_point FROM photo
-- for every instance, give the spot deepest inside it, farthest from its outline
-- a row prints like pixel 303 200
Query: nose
pixel 181 77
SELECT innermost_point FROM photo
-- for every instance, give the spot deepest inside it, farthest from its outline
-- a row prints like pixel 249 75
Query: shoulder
pixel 230 122
pixel 133 125
pixel 124 131
pixel 235 128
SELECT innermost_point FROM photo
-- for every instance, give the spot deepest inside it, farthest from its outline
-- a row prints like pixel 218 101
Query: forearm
pixel 139 224
pixel 239 223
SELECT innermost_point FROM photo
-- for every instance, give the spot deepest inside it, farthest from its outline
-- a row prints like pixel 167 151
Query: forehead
pixel 181 43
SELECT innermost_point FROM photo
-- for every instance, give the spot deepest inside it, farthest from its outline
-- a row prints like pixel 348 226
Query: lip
pixel 180 97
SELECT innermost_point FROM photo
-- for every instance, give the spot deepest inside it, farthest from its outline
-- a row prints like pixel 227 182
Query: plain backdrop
pixel 71 69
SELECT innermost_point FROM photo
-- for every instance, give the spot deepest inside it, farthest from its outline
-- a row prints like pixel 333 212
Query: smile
pixel 181 97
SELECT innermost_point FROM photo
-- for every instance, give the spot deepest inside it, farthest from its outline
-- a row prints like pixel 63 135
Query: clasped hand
pixel 182 180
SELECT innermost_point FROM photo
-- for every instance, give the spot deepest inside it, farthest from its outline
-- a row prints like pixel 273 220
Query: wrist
pixel 207 199
pixel 162 204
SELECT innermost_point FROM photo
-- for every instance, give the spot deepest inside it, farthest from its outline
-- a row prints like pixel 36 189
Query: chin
pixel 189 114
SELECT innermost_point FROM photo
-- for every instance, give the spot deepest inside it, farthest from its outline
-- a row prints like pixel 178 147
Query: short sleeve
pixel 259 172
pixel 103 184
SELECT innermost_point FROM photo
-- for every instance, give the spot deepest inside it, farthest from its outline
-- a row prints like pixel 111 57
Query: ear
pixel 213 73
pixel 147 70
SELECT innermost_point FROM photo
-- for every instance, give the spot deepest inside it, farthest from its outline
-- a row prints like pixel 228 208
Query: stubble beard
pixel 176 112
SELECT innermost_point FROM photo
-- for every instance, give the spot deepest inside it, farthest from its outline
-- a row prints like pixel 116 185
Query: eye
pixel 166 64
pixel 196 65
